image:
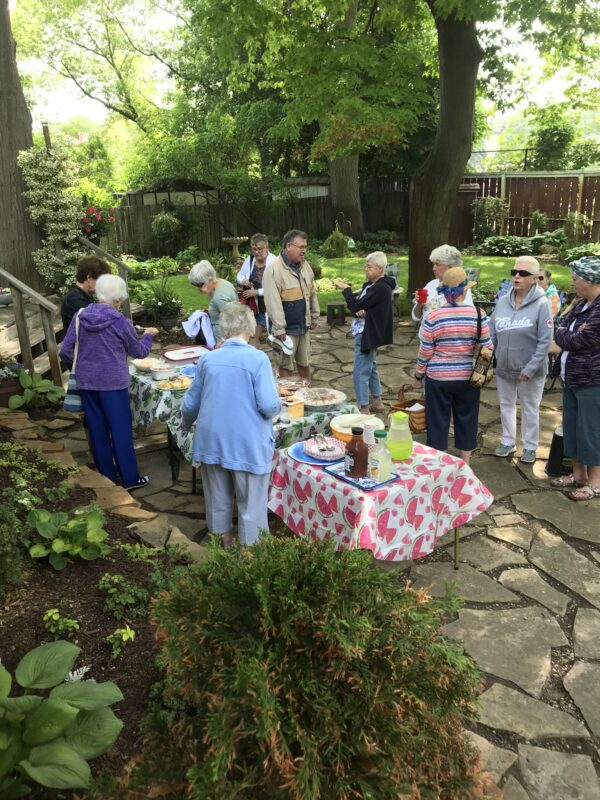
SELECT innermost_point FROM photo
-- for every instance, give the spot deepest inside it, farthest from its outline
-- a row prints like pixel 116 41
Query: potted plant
pixel 5 297
pixel 9 379
pixel 164 303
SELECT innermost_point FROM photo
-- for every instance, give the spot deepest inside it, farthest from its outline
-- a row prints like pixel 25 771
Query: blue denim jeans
pixel 365 373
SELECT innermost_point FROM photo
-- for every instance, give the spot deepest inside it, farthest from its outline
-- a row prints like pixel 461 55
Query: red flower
pixel 91 210
pixel 88 229
pixel 85 219
pixel 111 209
pixel 98 217
pixel 111 219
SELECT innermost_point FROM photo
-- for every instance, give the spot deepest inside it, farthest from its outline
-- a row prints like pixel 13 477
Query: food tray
pixel 145 364
pixel 321 398
pixel 296 451
pixel 179 354
pixel 176 385
pixel 366 484
pixel 311 448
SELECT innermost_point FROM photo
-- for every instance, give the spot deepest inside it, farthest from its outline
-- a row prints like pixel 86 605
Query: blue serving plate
pixel 189 371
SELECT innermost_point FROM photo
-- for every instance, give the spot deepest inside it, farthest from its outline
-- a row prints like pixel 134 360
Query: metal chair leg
pixel 193 480
pixel 456 541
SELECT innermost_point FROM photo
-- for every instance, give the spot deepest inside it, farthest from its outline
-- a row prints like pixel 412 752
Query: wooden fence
pixel 384 205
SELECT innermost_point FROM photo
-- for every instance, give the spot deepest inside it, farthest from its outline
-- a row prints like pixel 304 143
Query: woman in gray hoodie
pixel 521 330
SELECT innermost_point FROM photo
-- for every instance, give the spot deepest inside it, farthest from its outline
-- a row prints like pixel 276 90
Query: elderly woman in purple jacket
pixel 579 339
pixel 105 339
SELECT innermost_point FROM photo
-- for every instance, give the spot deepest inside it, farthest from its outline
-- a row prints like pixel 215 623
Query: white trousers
pixel 529 394
pixel 220 485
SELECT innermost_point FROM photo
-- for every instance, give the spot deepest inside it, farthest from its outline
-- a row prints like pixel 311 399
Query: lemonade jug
pixel 399 438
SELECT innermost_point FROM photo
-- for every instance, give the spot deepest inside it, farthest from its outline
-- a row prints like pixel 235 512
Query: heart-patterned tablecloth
pixel 404 520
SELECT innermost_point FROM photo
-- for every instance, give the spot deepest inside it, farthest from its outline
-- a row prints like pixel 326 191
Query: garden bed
pixel 75 593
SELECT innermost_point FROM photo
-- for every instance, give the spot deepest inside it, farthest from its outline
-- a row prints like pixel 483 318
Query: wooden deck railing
pixel 47 309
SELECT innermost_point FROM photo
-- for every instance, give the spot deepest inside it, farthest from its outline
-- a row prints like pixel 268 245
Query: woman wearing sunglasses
pixel 521 330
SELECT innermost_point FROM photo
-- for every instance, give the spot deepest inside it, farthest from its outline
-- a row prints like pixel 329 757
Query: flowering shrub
pixel 153 268
pixel 55 208
pixel 95 222
pixel 157 298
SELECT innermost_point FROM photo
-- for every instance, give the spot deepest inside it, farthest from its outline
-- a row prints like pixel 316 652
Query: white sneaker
pixel 284 344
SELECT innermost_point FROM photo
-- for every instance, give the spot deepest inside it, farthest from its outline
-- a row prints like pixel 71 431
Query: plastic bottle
pixel 399 440
pixel 380 459
pixel 357 456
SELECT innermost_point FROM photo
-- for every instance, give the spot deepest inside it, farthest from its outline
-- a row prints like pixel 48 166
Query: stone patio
pixel 529 578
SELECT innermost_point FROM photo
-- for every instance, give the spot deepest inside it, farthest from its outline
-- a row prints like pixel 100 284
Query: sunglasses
pixel 522 273
pixel 200 285
pixel 543 277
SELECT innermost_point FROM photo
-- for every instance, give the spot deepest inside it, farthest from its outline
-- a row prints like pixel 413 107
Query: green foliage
pixel 488 215
pixel 9 369
pixel 538 222
pixel 48 740
pixel 95 222
pixel 37 391
pixel 335 245
pixel 140 552
pixel 484 290
pixel 10 551
pixel 295 666
pixel 166 227
pixel 27 478
pixel 188 257
pixel 119 638
pixel 55 208
pixel 153 268
pixel 386 241
pixel 62 539
pixel 123 598
pixel 505 246
pixel 573 253
pixel 577 225
pixel 552 137
pixel 159 298
pixel 58 625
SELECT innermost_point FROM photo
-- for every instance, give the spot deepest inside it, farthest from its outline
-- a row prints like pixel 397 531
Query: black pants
pixel 446 399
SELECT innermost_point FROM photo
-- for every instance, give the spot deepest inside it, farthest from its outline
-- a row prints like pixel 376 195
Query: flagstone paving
pixel 529 577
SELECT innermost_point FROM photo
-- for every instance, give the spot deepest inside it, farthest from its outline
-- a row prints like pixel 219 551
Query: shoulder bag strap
pixel 76 351
pixel 478 340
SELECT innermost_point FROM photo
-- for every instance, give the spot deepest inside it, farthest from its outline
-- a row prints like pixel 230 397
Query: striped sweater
pixel 448 337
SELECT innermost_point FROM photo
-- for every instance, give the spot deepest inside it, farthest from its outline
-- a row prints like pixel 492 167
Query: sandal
pixel 566 481
pixel 584 493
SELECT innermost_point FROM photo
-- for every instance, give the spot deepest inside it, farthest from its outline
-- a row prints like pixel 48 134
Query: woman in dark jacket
pixel 372 327
pixel 579 363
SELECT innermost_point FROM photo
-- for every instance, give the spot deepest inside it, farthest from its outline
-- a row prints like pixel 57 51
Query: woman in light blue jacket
pixel 232 400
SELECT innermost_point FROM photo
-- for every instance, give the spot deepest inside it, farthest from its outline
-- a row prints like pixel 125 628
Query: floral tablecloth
pixel 403 520
pixel 148 402
pixel 286 433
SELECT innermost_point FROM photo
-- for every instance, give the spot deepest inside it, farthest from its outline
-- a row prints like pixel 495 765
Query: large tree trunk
pixel 345 194
pixel 434 185
pixel 18 236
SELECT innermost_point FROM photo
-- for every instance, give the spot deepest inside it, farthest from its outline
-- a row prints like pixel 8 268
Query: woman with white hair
pixel 521 329
pixel 203 277
pixel 442 258
pixel 233 399
pixel 104 338
pixel 372 327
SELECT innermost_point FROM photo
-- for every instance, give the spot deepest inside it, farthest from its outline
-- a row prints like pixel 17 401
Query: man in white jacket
pixel 251 276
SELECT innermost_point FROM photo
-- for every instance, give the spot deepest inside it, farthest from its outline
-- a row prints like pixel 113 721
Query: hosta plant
pixel 47 738
pixel 37 391
pixel 61 538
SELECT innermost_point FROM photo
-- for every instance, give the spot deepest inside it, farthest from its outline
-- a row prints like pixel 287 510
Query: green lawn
pixel 493 271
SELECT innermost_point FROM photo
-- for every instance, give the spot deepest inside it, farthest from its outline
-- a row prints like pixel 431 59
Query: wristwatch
pixel 419 377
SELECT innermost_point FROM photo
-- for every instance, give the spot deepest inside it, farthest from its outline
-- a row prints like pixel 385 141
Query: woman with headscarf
pixel 448 339
pixel 578 336
pixel 521 329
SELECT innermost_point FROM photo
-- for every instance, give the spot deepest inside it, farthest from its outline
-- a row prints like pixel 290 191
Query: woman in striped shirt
pixel 448 337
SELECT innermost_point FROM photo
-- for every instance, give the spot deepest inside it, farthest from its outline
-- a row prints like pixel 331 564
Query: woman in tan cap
pixel 448 338
pixel 521 329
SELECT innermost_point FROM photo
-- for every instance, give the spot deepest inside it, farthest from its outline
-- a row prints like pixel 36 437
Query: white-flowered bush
pixel 55 208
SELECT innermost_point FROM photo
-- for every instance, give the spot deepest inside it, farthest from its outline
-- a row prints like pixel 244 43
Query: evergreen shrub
pixel 10 549
pixel 296 672
pixel 336 245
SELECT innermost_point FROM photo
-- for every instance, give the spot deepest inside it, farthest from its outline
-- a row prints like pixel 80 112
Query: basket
pixel 416 419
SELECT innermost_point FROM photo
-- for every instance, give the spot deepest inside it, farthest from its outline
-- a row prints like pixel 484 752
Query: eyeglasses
pixel 299 246
pixel 522 273
pixel 200 285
